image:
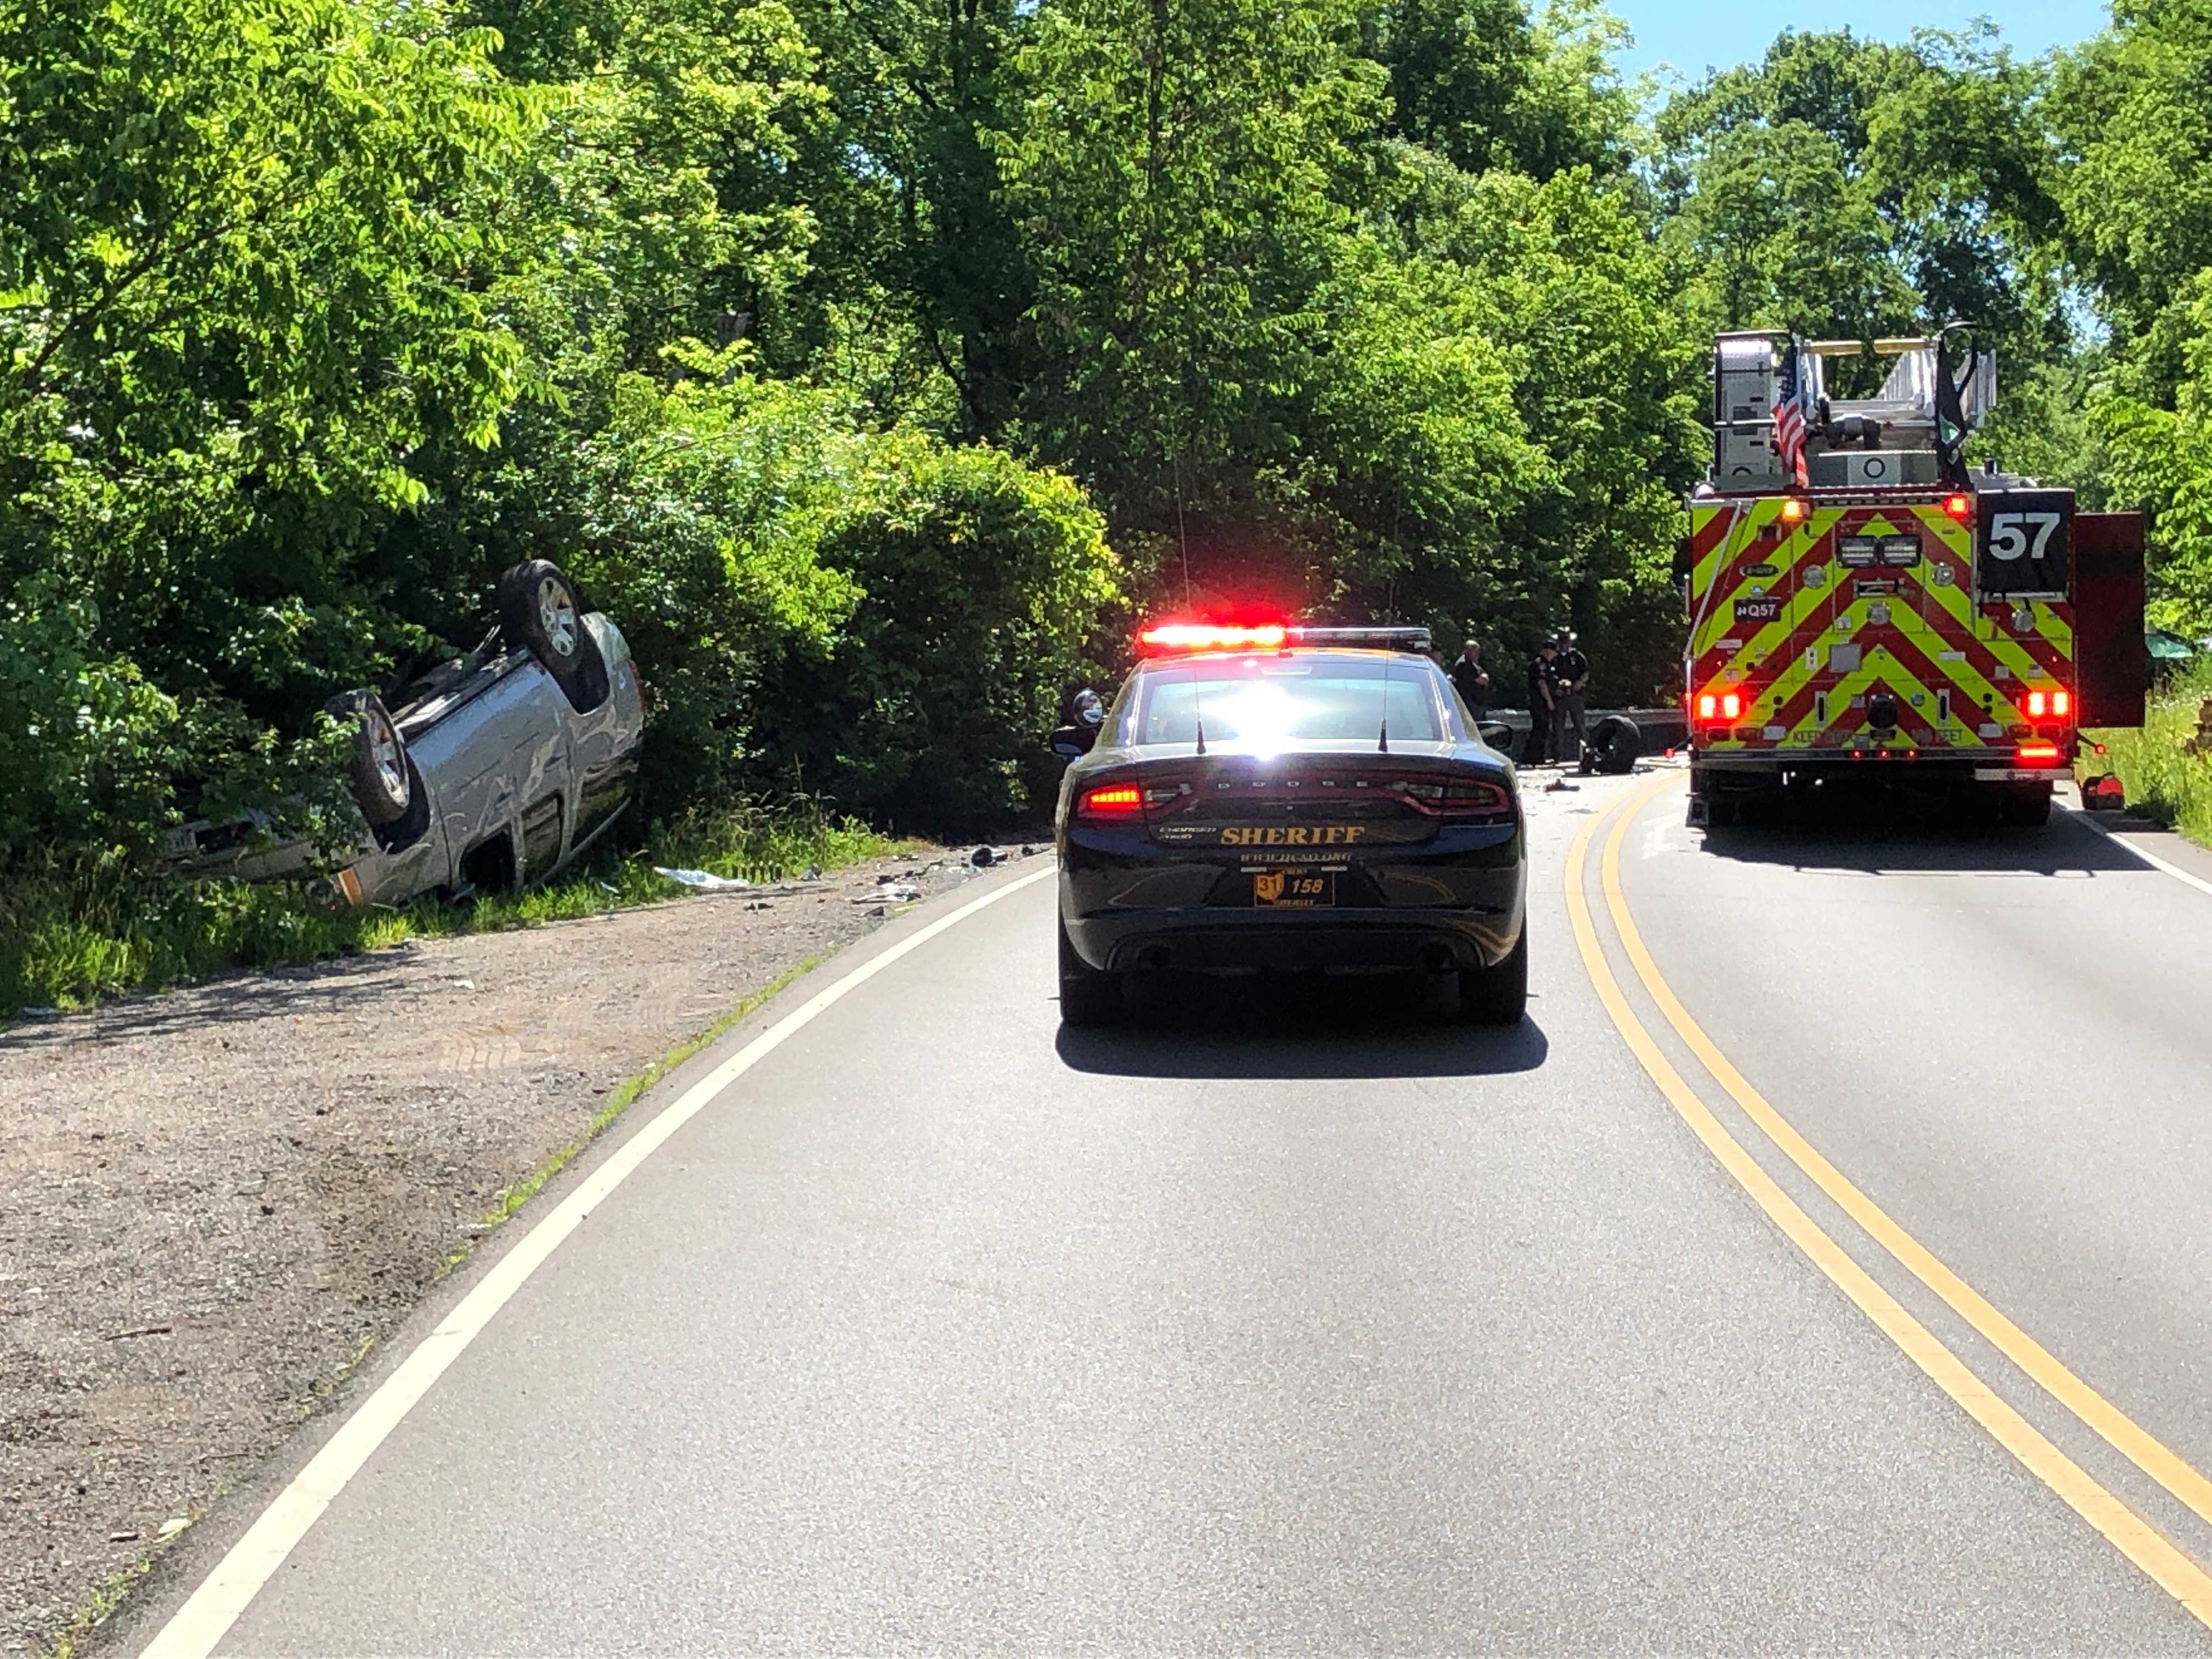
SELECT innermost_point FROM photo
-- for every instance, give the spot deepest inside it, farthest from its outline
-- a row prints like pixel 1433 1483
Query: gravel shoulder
pixel 215 1201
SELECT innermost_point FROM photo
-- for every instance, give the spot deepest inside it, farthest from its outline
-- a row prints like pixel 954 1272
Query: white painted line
pixel 206 1617
pixel 2083 817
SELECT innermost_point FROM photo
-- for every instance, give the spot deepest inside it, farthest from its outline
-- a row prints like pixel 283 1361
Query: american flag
pixel 1790 415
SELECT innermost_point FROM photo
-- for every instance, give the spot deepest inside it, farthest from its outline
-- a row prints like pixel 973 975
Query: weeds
pixel 2162 782
pixel 69 938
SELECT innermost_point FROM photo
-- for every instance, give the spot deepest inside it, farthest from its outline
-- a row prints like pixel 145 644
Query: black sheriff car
pixel 1279 797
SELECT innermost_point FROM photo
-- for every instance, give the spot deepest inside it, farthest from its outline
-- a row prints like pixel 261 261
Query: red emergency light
pixel 2037 754
pixel 1722 705
pixel 1213 636
pixel 1960 507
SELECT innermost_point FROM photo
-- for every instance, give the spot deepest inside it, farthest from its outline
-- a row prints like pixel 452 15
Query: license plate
pixel 1293 889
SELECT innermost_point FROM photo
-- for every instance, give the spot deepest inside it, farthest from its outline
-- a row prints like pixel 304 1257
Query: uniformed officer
pixel 1569 674
pixel 1543 715
pixel 1471 680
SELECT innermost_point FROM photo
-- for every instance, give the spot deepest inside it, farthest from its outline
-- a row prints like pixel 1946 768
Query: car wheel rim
pixel 384 751
pixel 557 612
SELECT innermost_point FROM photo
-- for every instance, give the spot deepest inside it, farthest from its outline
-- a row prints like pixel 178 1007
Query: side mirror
pixel 1073 741
pixel 1088 708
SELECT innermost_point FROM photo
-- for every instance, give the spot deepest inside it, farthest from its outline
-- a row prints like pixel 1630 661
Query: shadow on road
pixel 250 994
pixel 1879 834
pixel 1301 1028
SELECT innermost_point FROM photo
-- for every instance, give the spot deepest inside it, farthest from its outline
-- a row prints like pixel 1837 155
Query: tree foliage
pixel 835 343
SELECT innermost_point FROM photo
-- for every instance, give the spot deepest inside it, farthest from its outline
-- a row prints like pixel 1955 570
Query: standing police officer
pixel 1543 712
pixel 1472 681
pixel 1569 674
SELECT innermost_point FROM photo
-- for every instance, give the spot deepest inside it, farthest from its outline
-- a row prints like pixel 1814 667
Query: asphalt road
pixel 1288 1323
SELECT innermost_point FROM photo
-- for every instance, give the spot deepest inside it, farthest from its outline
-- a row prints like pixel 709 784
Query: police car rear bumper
pixel 1295 941
pixel 1129 903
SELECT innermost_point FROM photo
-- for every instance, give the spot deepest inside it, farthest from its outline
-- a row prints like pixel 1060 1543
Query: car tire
pixel 378 771
pixel 540 609
pixel 1088 995
pixel 1498 995
pixel 1615 744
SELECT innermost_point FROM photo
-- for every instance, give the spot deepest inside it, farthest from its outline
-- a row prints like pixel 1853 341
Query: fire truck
pixel 1863 606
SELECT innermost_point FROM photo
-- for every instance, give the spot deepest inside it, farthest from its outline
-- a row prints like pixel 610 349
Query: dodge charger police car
pixel 1298 799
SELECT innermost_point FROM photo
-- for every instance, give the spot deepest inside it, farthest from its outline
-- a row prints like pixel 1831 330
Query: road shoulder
pixel 230 1196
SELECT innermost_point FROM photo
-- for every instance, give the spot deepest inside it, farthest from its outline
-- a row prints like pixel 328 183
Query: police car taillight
pixel 1112 800
pixel 1474 800
pixel 1458 799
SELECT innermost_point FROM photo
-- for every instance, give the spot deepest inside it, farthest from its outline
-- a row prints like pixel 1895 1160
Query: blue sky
pixel 1691 35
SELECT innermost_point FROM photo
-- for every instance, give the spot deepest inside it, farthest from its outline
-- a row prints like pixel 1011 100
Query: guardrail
pixel 1659 729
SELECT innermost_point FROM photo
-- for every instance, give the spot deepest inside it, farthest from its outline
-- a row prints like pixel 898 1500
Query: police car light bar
pixel 1164 638
pixel 1213 637
pixel 1375 639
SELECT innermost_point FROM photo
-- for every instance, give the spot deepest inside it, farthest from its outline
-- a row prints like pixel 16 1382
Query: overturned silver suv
pixel 487 772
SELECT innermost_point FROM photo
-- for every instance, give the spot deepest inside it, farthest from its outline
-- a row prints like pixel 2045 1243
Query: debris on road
pixel 897 892
pixel 983 858
pixel 706 881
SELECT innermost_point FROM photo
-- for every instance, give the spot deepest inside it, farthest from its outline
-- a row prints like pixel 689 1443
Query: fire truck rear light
pixel 1708 706
pixel 1115 801
pixel 1960 507
pixel 1731 706
pixel 2037 703
pixel 1792 510
pixel 2037 754
pixel 2062 704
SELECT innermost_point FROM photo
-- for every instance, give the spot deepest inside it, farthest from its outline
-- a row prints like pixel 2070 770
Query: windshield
pixel 1274 702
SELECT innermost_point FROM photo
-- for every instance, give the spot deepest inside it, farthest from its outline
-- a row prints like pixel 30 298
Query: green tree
pixel 2130 113
pixel 1180 173
pixel 1482 84
pixel 244 263
pixel 1851 188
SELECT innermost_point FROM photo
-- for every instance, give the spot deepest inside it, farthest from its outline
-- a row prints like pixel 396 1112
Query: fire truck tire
pixel 1498 995
pixel 2024 806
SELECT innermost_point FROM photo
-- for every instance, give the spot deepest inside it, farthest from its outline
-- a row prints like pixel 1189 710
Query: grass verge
pixel 2163 783
pixel 103 1604
pixel 72 937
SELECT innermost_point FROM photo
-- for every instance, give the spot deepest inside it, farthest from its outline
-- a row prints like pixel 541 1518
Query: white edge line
pixel 226 1593
pixel 2082 816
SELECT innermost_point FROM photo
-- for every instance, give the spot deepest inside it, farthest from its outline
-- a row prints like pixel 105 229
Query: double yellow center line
pixel 2136 1538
